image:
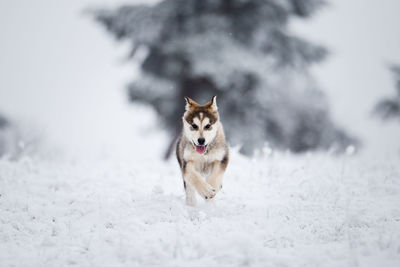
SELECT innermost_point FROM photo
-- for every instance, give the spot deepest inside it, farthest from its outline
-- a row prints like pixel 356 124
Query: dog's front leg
pixel 192 177
pixel 217 173
pixel 190 194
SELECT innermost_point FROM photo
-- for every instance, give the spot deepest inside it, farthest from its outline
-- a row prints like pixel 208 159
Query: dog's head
pixel 200 123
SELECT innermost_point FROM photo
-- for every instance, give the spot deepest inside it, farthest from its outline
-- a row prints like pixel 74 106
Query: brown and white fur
pixel 202 151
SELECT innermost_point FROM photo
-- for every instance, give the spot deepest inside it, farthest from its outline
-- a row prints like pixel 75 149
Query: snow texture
pixel 275 210
pixel 104 199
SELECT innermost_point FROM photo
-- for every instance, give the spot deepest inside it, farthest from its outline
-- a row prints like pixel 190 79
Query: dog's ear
pixel 212 103
pixel 190 103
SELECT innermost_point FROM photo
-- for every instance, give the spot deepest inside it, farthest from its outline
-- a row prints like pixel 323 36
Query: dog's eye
pixel 194 126
pixel 207 126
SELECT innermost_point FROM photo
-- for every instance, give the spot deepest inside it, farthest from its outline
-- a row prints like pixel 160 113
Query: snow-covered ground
pixel 95 192
pixel 119 204
pixel 276 210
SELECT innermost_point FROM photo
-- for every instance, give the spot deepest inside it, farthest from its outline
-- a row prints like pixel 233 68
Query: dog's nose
pixel 201 141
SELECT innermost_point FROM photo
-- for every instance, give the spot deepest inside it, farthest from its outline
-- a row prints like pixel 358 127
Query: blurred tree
pixel 15 141
pixel 8 138
pixel 3 142
pixel 3 122
pixel 240 50
pixel 390 107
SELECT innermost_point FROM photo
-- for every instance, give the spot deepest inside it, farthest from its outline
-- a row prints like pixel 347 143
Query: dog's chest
pixel 203 162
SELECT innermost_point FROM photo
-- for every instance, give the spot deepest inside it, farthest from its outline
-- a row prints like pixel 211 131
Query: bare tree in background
pixel 240 50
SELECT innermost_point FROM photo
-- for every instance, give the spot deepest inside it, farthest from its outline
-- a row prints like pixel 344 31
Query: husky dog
pixel 202 151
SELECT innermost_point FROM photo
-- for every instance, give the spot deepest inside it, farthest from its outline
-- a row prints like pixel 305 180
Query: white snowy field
pixel 276 210
pixel 97 194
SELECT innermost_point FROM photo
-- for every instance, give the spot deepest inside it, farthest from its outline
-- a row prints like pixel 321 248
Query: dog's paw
pixel 217 186
pixel 206 190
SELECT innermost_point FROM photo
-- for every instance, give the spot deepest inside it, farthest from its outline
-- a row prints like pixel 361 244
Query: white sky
pixel 57 65
pixel 363 37
pixel 62 72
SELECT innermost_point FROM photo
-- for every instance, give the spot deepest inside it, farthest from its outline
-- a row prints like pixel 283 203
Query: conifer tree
pixel 240 50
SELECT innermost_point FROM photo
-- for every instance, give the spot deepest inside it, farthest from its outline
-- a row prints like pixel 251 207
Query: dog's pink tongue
pixel 200 149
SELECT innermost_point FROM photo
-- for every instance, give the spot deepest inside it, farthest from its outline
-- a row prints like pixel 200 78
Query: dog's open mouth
pixel 200 149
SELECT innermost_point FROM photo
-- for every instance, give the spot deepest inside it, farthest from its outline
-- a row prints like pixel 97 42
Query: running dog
pixel 202 151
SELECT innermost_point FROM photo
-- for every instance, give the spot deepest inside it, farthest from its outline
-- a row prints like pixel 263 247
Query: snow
pixel 275 210
pixel 96 193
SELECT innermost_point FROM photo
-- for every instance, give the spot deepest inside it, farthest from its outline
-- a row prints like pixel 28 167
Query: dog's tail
pixel 171 145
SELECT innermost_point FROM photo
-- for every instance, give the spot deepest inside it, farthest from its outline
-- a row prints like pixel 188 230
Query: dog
pixel 202 151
